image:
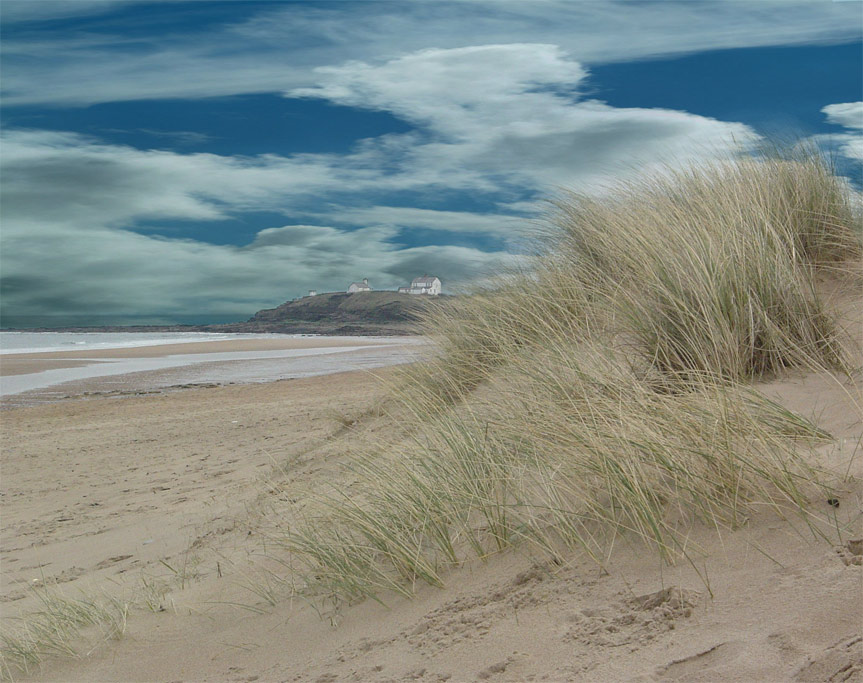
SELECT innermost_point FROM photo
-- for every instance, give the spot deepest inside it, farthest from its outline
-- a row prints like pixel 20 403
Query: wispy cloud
pixel 98 264
pixel 495 93
pixel 15 11
pixel 277 46
pixel 525 126
pixel 526 130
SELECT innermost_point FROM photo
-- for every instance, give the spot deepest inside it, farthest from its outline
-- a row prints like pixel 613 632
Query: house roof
pixel 424 280
pixel 361 285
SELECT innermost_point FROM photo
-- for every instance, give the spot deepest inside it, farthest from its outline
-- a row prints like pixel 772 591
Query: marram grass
pixel 566 450
pixel 605 393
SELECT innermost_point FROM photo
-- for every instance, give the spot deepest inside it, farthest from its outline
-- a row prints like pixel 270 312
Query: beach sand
pixel 23 363
pixel 28 379
pixel 120 494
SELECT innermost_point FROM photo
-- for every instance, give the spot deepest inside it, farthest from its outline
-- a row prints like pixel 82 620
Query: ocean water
pixel 34 342
pixel 101 375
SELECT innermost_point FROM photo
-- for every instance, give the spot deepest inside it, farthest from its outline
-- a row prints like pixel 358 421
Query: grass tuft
pixel 55 629
pixel 607 392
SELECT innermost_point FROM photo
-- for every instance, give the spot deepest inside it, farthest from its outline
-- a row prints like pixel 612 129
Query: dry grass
pixel 711 270
pixel 74 625
pixel 568 449
pixel 603 394
pixel 62 626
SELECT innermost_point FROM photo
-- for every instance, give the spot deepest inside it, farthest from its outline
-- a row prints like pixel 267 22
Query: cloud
pixel 114 184
pixel 847 115
pixel 117 273
pixel 72 205
pixel 445 221
pixel 42 10
pixel 272 47
pixel 458 92
pixel 178 137
pixel 512 113
pixel 526 131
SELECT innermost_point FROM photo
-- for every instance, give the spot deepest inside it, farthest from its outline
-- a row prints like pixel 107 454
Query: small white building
pixel 404 290
pixel 427 284
pixel 313 292
pixel 360 286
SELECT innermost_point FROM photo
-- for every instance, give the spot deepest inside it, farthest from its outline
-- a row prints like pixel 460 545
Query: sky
pixel 194 162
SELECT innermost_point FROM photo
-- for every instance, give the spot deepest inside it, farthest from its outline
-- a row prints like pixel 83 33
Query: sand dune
pixel 180 478
pixel 167 501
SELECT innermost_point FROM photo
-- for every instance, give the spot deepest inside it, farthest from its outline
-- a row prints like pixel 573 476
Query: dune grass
pixel 603 394
pixel 606 392
pixel 66 624
pixel 56 629
pixel 711 270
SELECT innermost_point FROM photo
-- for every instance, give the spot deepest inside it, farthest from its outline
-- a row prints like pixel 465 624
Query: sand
pixel 23 363
pixel 116 494
pixel 33 378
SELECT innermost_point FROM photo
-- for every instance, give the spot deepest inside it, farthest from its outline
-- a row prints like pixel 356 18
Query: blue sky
pixel 196 161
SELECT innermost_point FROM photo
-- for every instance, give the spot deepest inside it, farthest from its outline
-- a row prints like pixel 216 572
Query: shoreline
pixel 39 377
pixel 10 362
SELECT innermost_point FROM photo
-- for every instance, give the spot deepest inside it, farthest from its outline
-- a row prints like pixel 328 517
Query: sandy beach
pixel 431 341
pixel 163 499
pixel 14 363
pixel 38 377
pixel 167 504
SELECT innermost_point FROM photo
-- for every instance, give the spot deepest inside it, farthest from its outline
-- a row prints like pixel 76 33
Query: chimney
pixel 365 281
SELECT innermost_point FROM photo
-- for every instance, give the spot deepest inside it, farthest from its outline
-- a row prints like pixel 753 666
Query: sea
pixel 99 376
pixel 34 342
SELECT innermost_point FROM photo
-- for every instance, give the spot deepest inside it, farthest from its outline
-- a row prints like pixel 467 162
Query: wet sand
pixel 36 378
pixel 25 363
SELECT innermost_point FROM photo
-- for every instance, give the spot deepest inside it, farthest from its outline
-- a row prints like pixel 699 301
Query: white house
pixel 313 292
pixel 360 286
pixel 427 284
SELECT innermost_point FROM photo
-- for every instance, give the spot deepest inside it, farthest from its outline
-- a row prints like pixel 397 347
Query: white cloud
pixel 276 46
pixel 444 221
pixel 71 206
pixel 520 133
pixel 113 184
pixel 460 92
pixel 511 112
pixel 848 115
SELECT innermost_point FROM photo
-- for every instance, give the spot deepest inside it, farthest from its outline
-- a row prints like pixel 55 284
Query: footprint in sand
pixel 633 620
pixel 842 661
